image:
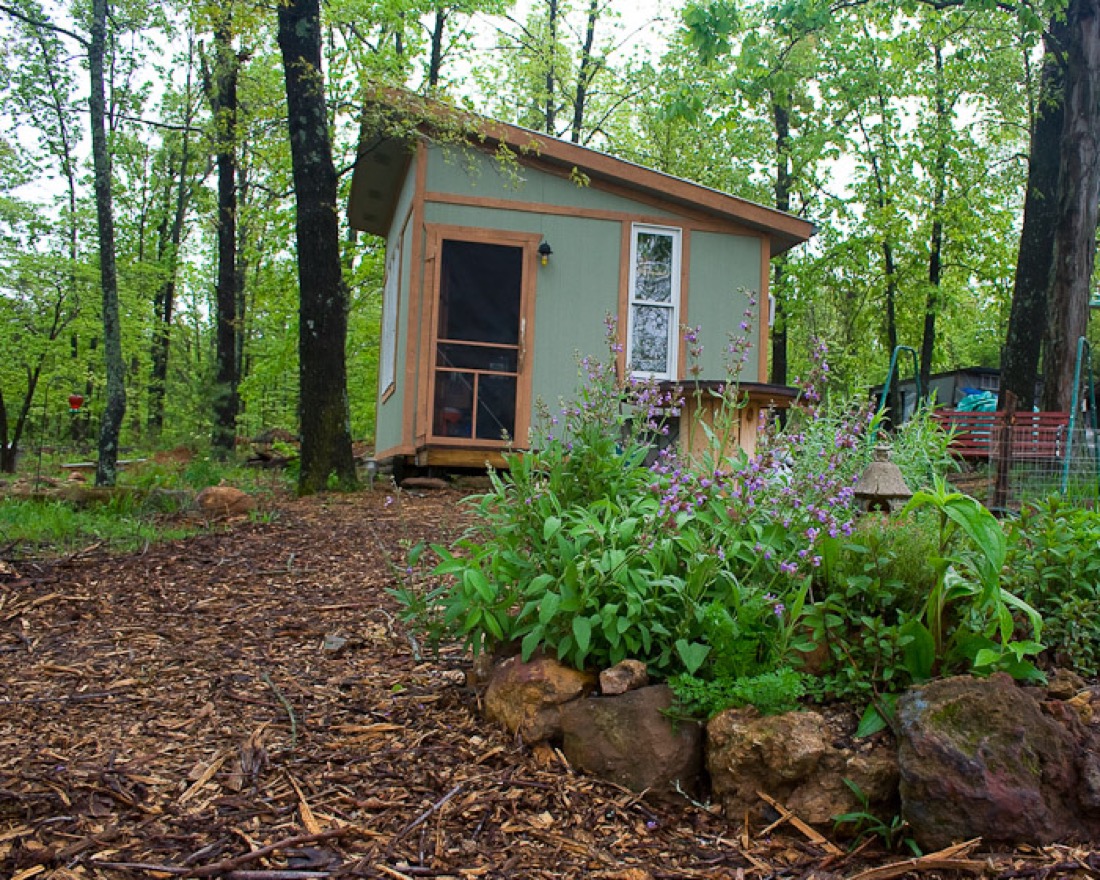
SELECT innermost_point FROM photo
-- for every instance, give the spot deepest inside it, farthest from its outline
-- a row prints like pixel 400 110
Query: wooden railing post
pixel 1004 452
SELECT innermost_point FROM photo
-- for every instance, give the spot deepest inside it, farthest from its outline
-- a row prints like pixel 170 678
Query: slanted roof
pixel 384 160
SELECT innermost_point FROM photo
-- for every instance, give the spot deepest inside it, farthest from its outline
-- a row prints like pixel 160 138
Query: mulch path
pixel 192 711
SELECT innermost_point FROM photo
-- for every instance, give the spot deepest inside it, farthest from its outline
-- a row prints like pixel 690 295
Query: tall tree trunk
pixel 222 90
pixel 239 284
pixel 1027 319
pixel 7 448
pixel 115 406
pixel 164 301
pixel 585 72
pixel 551 120
pixel 935 243
pixel 782 117
pixel 435 62
pixel 168 246
pixel 1078 195
pixel 325 419
pixel 9 444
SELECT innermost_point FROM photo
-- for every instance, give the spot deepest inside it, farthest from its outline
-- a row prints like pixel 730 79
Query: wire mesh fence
pixel 1037 455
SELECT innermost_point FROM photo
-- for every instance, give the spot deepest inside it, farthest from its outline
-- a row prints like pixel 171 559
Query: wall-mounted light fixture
pixel 545 252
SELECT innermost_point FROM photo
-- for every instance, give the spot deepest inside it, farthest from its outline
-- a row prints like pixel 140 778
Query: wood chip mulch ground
pixel 244 705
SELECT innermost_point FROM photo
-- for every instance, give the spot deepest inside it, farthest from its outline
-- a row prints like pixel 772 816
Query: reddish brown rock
pixel 629 740
pixel 224 501
pixel 629 675
pixel 984 758
pixel 526 697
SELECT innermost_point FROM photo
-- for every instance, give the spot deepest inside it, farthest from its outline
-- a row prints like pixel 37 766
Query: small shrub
pixel 772 692
pixel 595 549
pixel 1054 565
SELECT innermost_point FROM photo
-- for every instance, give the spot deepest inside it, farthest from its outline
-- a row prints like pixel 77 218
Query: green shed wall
pixel 723 271
pixel 584 278
pixel 388 418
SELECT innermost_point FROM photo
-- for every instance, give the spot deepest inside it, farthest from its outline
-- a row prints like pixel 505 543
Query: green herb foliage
pixel 1054 564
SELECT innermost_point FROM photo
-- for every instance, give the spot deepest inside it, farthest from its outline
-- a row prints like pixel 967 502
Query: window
pixel 387 356
pixel 654 302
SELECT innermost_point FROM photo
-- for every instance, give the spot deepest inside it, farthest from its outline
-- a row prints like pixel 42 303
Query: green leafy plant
pixel 863 823
pixel 1053 564
pixel 771 692
pixel 868 589
pixel 52 527
pixel 968 614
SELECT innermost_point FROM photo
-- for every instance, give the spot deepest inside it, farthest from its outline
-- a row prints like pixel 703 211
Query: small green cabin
pixel 499 272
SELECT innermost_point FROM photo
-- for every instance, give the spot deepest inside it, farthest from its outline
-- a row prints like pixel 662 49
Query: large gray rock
pixel 985 758
pixel 526 697
pixel 801 759
pixel 628 739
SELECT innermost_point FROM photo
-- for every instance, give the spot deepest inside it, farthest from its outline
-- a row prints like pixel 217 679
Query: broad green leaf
pixel 531 642
pixel 692 654
pixel 918 650
pixel 548 608
pixel 582 632
pixel 550 527
pixel 475 578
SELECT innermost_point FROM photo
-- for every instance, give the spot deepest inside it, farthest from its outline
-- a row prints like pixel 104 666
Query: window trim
pixel 677 236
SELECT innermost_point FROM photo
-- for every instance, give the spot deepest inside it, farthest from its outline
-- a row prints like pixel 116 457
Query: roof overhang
pixel 380 168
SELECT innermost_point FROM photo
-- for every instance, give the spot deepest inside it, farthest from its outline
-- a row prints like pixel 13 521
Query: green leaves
pixel 692 654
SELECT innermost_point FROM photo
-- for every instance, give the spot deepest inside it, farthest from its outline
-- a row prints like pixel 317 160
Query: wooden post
pixel 1003 452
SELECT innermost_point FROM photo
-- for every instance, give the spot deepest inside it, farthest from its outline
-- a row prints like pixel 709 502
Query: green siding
pixel 388 418
pixel 473 173
pixel 724 269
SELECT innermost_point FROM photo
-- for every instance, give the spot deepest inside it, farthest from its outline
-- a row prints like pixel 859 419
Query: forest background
pixel 906 130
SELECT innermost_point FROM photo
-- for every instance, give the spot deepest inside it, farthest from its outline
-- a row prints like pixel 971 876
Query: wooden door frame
pixel 528 242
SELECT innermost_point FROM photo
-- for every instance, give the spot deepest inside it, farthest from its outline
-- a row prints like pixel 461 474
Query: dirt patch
pixel 187 707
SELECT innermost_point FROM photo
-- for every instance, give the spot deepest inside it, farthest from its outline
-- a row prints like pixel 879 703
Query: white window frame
pixel 676 234
pixel 391 294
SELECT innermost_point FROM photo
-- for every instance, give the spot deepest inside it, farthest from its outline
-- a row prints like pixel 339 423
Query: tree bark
pixel 781 115
pixel 1078 195
pixel 170 237
pixel 115 405
pixel 435 62
pixel 9 445
pixel 551 120
pixel 323 401
pixel 935 243
pixel 1027 319
pixel 7 448
pixel 222 92
pixel 585 73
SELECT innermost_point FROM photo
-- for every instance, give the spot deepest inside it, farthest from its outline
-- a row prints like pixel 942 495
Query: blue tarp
pixel 984 401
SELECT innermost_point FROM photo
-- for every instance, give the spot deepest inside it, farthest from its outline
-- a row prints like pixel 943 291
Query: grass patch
pixel 56 517
pixel 36 527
